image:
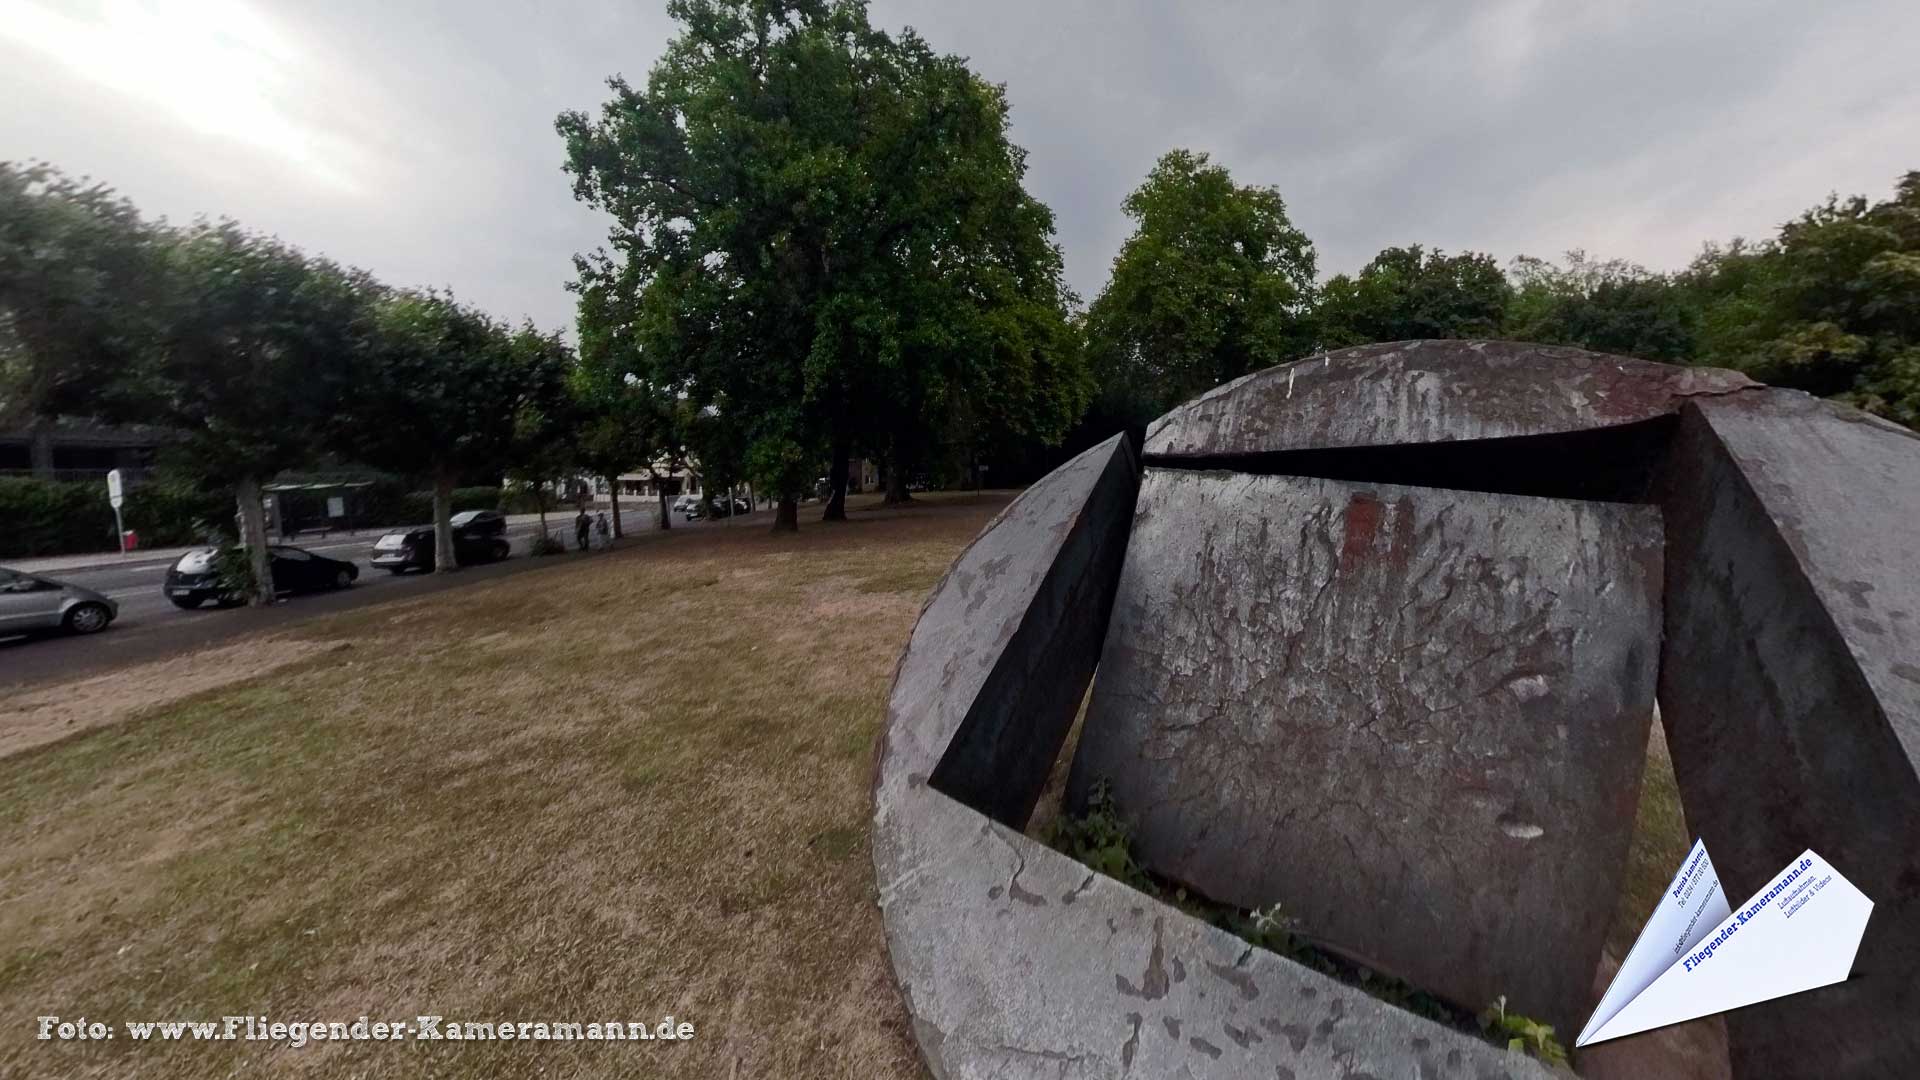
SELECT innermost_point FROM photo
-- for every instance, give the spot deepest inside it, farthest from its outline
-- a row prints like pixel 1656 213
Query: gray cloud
pixel 416 139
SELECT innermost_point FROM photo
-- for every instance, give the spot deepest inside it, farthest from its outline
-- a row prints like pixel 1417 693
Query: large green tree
pixel 1214 282
pixel 824 229
pixel 953 321
pixel 79 276
pixel 626 419
pixel 1410 292
pixel 254 340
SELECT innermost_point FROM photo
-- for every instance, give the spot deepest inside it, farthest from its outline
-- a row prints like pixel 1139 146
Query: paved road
pixel 137 587
pixel 150 626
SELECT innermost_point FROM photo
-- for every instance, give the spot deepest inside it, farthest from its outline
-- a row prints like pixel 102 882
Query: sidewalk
pixel 50 564
pixel 101 560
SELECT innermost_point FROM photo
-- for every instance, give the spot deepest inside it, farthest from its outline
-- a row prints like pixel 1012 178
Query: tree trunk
pixel 253 535
pixel 837 482
pixel 443 562
pixel 897 475
pixel 787 518
pixel 666 520
pixel 613 493
pixel 40 447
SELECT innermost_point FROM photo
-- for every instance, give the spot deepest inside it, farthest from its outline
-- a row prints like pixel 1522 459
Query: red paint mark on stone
pixel 1364 513
pixel 1400 547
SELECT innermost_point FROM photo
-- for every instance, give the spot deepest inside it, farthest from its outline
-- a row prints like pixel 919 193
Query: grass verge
pixel 612 790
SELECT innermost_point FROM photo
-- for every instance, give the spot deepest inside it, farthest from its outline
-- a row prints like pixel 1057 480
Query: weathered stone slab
pixel 1429 392
pixel 1790 680
pixel 1016 961
pixel 1416 718
pixel 1016 626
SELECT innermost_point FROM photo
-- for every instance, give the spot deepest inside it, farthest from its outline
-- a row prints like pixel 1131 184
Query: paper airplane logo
pixel 1697 957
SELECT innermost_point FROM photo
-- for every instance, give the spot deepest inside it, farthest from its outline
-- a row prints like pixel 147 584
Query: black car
pixel 479 523
pixel 194 579
pixel 481 540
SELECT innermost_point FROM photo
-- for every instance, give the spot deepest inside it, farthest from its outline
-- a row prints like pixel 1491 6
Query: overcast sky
pixel 416 138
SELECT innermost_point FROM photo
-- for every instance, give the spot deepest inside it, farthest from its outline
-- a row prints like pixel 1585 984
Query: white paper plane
pixel 1696 957
pixel 1692 907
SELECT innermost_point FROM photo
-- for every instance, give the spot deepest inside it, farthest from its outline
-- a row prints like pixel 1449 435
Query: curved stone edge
pixel 1017 961
pixel 1790 686
pixel 1409 392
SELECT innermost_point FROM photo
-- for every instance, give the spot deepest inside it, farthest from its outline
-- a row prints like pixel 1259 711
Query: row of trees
pixel 260 357
pixel 1216 282
pixel 823 248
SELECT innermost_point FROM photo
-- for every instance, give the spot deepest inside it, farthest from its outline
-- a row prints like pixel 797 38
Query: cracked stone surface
pixel 1791 680
pixel 1016 961
pixel 1429 391
pixel 1415 718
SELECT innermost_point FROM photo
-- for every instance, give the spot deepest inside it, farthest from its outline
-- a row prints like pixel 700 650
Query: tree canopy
pixel 824 229
pixel 1831 305
pixel 1214 282
pixel 256 356
pixel 78 281
pixel 1410 292
pixel 445 390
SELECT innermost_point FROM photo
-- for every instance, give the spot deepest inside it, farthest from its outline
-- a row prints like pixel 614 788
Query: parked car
pixel 30 604
pixel 194 578
pixel 689 508
pixel 412 549
pixel 725 507
pixel 479 523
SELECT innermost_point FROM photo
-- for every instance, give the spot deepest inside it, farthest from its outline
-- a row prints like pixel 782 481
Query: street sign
pixel 116 495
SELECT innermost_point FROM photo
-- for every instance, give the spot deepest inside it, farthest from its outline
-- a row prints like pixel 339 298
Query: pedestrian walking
pixel 581 525
pixel 602 538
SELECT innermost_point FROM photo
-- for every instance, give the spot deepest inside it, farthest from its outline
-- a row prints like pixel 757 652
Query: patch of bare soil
pixel 44 715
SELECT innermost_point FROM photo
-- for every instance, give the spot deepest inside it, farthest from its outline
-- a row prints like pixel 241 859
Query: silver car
pixel 29 603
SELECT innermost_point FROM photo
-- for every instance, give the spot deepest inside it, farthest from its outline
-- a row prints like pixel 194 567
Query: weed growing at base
pixel 1101 839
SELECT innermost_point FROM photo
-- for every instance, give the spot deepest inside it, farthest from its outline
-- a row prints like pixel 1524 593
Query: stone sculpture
pixel 1378 635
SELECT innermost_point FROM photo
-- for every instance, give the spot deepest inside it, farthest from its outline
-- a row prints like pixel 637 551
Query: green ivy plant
pixel 1524 1034
pixel 1101 840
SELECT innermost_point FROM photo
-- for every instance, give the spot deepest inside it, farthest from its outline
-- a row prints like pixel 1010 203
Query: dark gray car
pixel 29 604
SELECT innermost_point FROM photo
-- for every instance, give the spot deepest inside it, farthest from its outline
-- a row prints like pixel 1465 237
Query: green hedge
pixel 54 517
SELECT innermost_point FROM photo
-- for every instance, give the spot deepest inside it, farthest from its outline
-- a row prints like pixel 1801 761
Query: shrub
pixel 53 517
pixel 168 511
pixel 68 517
pixel 519 499
pixel 475 498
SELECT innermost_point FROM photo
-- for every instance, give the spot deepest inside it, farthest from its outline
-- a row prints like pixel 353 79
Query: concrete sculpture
pixel 1377 636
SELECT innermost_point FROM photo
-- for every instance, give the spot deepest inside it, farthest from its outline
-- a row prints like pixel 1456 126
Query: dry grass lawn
pixel 30 718
pixel 620 787
pixel 629 785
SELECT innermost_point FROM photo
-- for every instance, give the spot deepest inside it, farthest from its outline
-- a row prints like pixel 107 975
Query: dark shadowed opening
pixel 1613 464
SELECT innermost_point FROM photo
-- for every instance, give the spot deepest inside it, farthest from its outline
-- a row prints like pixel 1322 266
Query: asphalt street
pixel 149 626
